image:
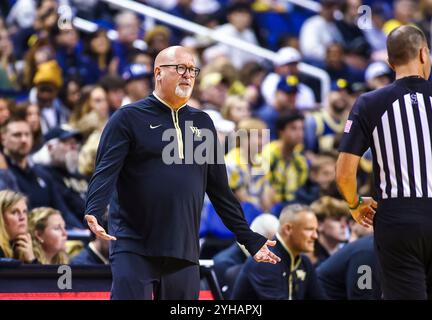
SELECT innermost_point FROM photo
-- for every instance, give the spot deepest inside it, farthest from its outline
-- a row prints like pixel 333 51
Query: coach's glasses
pixel 182 68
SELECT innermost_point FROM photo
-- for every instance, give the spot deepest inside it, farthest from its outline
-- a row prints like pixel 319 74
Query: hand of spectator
pixel 24 247
pixel 265 255
pixel 365 212
pixel 97 229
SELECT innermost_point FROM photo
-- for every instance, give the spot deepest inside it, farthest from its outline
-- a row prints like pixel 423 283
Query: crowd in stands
pixel 59 86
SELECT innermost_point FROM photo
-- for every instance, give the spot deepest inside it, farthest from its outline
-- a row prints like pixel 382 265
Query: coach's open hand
pixel 365 213
pixel 265 255
pixel 97 229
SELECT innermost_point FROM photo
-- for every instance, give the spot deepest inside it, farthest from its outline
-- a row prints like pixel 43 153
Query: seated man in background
pixel 63 146
pixel 332 216
pixel 352 272
pixel 33 180
pixel 227 263
pixel 294 278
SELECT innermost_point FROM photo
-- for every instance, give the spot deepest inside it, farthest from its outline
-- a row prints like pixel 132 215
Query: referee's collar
pixel 411 79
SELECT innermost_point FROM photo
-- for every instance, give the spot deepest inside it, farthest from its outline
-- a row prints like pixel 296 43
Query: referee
pixel 396 123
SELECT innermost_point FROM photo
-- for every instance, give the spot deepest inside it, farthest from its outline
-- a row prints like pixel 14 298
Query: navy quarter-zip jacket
pixel 155 207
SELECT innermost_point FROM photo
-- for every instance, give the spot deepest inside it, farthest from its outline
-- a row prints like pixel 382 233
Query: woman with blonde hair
pixel 47 228
pixel 15 240
pixel 236 108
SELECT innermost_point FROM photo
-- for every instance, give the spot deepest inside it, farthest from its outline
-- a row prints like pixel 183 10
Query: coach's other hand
pixel 365 212
pixel 265 255
pixel 97 229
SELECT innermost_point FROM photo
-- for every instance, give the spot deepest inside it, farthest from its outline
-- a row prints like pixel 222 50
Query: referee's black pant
pixel 403 242
pixel 137 277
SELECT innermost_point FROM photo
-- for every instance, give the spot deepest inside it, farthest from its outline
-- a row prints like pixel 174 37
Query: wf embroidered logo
pixel 196 131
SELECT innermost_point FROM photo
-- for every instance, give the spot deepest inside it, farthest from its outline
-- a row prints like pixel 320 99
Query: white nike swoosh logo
pixel 154 127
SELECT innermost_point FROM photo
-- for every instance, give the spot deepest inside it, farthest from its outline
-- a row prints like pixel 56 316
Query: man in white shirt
pixel 319 31
pixel 239 21
pixel 284 65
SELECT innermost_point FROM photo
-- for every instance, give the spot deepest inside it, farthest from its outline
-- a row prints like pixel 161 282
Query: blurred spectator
pixel 239 17
pixel 8 73
pixel 15 240
pixel 214 90
pixel 319 31
pixel 286 64
pixel 378 75
pixel 87 155
pixel 252 75
pixel 92 10
pixel 228 263
pixel 285 100
pixel 224 128
pixel 293 278
pixel 68 50
pixel 32 179
pixel 236 108
pixel 425 20
pixel 22 14
pixel 287 167
pixel 332 216
pixel 41 51
pixel 45 20
pixel 4 110
pixel 353 39
pixel 141 57
pixel 47 228
pixel 128 29
pixel 114 87
pixel 322 126
pixel 138 81
pixel 48 81
pixel 336 66
pixel 244 175
pixel 404 13
pixel 7 179
pixel 321 181
pixel 97 59
pixel 31 113
pixel 340 274
pixel 63 148
pixel 92 112
pixel 70 93
pixel 182 10
pixel 375 35
pixel 157 39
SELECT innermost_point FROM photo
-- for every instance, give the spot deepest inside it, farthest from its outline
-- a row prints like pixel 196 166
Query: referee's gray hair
pixel 290 212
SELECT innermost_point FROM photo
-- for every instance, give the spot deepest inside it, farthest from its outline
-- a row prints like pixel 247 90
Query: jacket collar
pixel 165 104
pixel 294 261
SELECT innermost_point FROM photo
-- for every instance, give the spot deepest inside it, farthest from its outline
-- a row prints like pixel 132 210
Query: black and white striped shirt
pixel 396 123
